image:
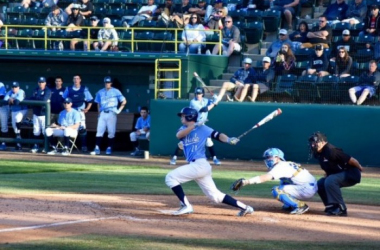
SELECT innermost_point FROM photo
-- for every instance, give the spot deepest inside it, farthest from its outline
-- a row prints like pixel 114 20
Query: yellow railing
pixel 159 79
pixel 12 32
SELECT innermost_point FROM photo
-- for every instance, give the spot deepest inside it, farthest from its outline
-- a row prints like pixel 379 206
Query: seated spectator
pixel 237 81
pixel 345 41
pixel 230 40
pixel 300 35
pixel 318 63
pixel 275 47
pixel 216 20
pixel 193 35
pixel 86 8
pixel 336 12
pixel 145 12
pixel 368 83
pixel 142 129
pixel 94 20
pixel 67 127
pixel 356 12
pixel 200 9
pixel 252 4
pixel 180 16
pixel 38 3
pixel 343 63
pixel 285 60
pixel 56 18
pixel 212 10
pixel 107 36
pixel 264 79
pixel 164 11
pixel 287 8
pixel 75 19
pixel 321 34
pixel 372 22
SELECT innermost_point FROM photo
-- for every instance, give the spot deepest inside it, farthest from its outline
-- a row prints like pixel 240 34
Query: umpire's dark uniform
pixel 339 173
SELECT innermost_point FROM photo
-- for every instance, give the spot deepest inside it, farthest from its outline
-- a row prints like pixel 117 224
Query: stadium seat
pixel 116 13
pixel 252 15
pixel 17 11
pixel 364 55
pixel 166 44
pixel 338 28
pixel 144 36
pixel 327 89
pixel 356 29
pixel 303 54
pixel 283 90
pixel 272 20
pixel 132 4
pixel 305 89
pixel 345 83
pixel 125 45
pixel 23 39
pixel 147 23
pixel 301 66
pixel 254 33
pixel 39 34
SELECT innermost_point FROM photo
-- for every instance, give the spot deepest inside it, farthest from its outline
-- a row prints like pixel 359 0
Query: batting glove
pixel 233 141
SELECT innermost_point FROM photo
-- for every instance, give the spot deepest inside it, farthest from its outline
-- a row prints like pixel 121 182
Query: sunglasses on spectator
pixel 194 17
pixel 341 52
pixel 321 21
pixel 220 11
pixel 318 49
pixel 228 21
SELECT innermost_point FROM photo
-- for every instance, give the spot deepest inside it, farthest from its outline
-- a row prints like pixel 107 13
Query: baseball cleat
pixel 173 161
pixel 95 152
pixel 34 149
pixel 300 210
pixel 53 152
pixel 108 151
pixel 136 152
pixel 244 212
pixel 65 152
pixel 217 162
pixel 184 210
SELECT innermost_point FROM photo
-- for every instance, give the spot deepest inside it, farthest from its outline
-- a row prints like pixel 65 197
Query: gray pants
pixel 329 187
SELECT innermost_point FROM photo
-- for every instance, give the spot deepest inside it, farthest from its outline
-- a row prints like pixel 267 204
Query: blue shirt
pixel 87 97
pixel 69 118
pixel 198 104
pixel 56 100
pixel 194 143
pixel 141 123
pixel 40 95
pixel 108 100
pixel 18 97
pixel 3 90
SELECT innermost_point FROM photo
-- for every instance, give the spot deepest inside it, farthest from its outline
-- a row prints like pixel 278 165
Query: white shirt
pixel 291 173
pixel 148 7
pixel 193 32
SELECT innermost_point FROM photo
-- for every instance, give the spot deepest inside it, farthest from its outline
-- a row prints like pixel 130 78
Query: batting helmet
pixel 107 79
pixel 190 114
pixel 269 154
pixel 199 90
pixel 247 60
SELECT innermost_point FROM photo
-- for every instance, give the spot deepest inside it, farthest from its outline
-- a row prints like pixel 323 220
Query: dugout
pixel 354 128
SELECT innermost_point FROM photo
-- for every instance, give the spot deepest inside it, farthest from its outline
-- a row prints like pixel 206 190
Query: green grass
pixel 96 242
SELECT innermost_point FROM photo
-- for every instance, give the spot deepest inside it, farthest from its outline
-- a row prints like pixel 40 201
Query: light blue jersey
pixel 108 100
pixel 198 104
pixel 74 96
pixel 3 90
pixel 194 142
pixel 18 97
pixel 141 123
pixel 69 118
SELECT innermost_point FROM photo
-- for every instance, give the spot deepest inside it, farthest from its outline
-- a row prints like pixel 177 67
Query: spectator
pixel 75 19
pixel 372 22
pixel 18 111
pixel 56 18
pixel 80 95
pixel 318 63
pixel 231 39
pixel 320 34
pixel 300 35
pixel 212 10
pixel 145 12
pixel 142 129
pixel 264 78
pixel 216 20
pixel 67 127
pixel 368 83
pixel 107 37
pixel 336 12
pixel 287 8
pixel 252 4
pixel 41 93
pixel 164 11
pixel 356 12
pixel 343 63
pixel 56 99
pixel 86 8
pixel 345 41
pixel 4 115
pixel 108 100
pixel 181 14
pixel 237 81
pixel 193 36
pixel 275 47
pixel 38 3
pixel 285 60
pixel 94 31
pixel 200 9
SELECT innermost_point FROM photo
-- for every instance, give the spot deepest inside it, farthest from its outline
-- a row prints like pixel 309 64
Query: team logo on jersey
pixel 191 139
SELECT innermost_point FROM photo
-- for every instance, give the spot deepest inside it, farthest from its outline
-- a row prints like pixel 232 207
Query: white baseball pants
pixel 17 117
pixel 38 125
pixel 4 114
pixel 106 121
pixel 67 132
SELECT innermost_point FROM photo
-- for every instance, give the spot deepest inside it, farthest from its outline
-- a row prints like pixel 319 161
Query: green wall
pixel 353 128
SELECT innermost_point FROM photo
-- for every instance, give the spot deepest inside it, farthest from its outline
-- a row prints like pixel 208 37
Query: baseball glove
pixel 237 185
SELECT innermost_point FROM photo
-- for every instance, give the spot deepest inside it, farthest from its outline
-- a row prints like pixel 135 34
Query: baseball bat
pixel 199 79
pixel 266 119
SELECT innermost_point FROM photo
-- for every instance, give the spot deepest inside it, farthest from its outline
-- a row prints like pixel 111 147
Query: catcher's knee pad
pixel 283 197
pixel 209 142
pixel 133 136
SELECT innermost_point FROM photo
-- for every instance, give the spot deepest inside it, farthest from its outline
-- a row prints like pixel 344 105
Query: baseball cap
pixel 373 7
pixel 346 32
pixel 75 6
pixel 218 1
pixel 67 100
pixel 94 18
pixel 15 84
pixel 318 47
pixel 41 79
pixel 107 79
pixel 266 59
pixel 283 32
pixel 106 20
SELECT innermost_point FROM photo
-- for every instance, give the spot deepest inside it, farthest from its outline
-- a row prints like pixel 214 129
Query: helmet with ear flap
pixel 199 90
pixel 190 114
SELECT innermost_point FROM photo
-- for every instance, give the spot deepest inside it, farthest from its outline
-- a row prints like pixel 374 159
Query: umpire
pixel 342 170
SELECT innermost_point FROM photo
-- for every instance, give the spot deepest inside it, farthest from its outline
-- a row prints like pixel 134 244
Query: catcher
pixel 296 183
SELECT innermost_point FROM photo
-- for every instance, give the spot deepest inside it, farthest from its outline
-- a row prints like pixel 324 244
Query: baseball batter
pixel 194 135
pixel 4 114
pixel 108 100
pixel 18 111
pixel 296 183
pixel 80 94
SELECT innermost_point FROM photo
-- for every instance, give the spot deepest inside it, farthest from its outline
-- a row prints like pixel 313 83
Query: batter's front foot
pixel 184 210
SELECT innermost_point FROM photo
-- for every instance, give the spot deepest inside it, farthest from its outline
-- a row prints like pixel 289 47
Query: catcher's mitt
pixel 237 185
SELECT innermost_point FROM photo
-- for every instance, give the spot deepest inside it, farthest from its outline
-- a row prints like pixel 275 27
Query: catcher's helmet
pixel 107 79
pixel 247 60
pixel 190 114
pixel 269 154
pixel 199 90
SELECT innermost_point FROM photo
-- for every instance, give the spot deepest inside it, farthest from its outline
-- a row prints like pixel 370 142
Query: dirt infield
pixel 31 217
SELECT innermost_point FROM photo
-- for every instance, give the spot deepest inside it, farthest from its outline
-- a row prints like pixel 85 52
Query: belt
pixel 106 111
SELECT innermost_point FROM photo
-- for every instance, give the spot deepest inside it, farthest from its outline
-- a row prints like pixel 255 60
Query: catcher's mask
pixel 269 155
pixel 313 140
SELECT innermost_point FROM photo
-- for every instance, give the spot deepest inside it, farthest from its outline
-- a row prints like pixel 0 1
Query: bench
pixel 125 122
